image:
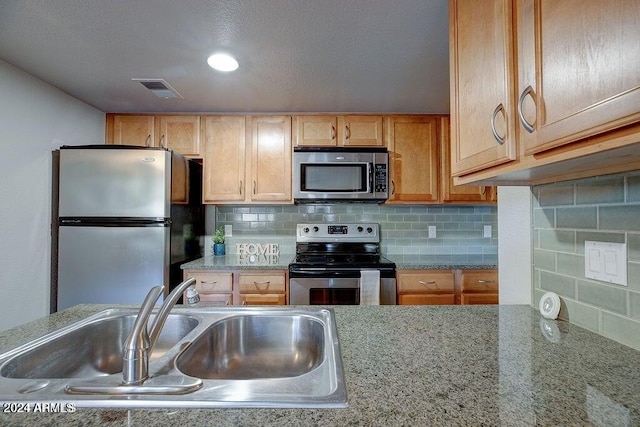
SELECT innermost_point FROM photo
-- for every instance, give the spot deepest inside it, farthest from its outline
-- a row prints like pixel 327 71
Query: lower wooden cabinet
pixel 240 287
pixel 425 287
pixel 447 287
pixel 478 286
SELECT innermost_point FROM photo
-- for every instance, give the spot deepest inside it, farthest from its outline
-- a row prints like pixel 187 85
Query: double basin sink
pixel 204 357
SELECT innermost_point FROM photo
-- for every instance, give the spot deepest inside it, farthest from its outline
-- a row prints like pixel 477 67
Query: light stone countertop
pixel 403 262
pixel 426 366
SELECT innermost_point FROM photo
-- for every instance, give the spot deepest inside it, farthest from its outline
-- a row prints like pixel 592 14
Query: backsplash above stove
pixel 459 229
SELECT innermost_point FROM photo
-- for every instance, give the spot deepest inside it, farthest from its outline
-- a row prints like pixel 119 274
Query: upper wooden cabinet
pixel 271 156
pixel 224 159
pixel 581 61
pixel 131 130
pixel 449 192
pixel 180 132
pixel 544 90
pixel 329 131
pixel 482 84
pixel 413 158
pixel 247 160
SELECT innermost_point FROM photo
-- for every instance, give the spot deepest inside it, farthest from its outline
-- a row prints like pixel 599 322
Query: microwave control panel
pixel 380 182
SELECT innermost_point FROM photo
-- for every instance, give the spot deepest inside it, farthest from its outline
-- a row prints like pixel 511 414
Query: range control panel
pixel 350 232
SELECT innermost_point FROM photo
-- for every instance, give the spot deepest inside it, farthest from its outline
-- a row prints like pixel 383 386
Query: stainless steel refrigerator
pixel 123 219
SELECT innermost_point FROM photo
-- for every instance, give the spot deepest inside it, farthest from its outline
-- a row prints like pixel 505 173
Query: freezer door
pixel 114 183
pixel 110 265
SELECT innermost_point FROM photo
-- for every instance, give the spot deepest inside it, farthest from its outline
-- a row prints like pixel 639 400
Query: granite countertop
pixel 403 262
pixel 425 365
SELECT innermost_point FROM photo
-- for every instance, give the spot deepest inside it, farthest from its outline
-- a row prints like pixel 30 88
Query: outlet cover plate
pixel 606 261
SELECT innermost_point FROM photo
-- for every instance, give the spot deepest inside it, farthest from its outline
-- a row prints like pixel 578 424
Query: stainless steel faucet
pixel 140 342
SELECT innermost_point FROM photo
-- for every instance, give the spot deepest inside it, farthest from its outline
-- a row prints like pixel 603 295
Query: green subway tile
pixel 544 218
pixel 571 265
pixel 582 217
pixel 562 285
pixel 600 190
pixel 633 276
pixel 633 246
pixel 633 188
pixel 545 260
pixel 621 329
pixel 580 314
pixel 625 217
pixel 557 240
pixel 596 236
pixel 555 195
pixel 603 296
pixel 634 299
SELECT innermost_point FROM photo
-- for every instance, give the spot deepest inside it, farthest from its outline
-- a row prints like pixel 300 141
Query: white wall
pixel 35 118
pixel 514 245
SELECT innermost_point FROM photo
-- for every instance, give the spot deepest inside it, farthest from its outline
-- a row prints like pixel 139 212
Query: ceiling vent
pixel 159 87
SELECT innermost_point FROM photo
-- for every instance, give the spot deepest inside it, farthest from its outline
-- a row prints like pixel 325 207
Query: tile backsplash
pixel 459 229
pixel 604 209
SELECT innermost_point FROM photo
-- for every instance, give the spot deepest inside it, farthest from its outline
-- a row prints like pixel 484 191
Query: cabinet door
pixel 585 55
pixel 262 299
pixel 469 299
pixel 180 133
pixel 426 299
pixel 451 192
pixel 425 281
pixel 316 131
pixel 265 283
pixel 224 159
pixel 131 130
pixel 413 159
pixel 482 84
pixel 271 159
pixel 484 281
pixel 360 131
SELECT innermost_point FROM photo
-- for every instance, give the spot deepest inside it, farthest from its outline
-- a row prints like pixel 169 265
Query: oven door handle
pixel 310 269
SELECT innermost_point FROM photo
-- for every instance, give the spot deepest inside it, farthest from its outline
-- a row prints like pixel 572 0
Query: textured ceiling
pixel 294 55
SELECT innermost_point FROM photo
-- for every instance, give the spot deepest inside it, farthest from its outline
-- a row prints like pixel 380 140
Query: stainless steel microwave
pixel 340 174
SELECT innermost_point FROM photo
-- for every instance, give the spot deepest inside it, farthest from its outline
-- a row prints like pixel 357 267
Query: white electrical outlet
pixel 432 231
pixel 606 261
pixel 487 231
pixel 228 230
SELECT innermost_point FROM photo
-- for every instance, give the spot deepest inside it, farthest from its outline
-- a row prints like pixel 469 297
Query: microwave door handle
pixel 371 178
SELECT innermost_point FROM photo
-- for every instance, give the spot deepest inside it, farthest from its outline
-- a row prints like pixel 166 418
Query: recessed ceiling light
pixel 222 62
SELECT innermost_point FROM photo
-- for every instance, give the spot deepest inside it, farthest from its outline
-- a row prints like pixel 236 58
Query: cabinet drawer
pixel 212 282
pixel 418 281
pixel 479 281
pixel 262 299
pixel 469 299
pixel 216 299
pixel 255 283
pixel 426 299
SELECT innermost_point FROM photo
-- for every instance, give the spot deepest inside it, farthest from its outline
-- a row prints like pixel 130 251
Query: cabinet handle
pixel 347 132
pixel 254 187
pixel 430 282
pixel 393 188
pixel 241 187
pixel 210 282
pixel 523 95
pixel 486 282
pixel 333 132
pixel 268 282
pixel 244 302
pixel 493 124
pixel 147 141
pixel 162 142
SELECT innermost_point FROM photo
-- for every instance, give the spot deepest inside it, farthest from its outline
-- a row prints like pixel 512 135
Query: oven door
pixel 335 291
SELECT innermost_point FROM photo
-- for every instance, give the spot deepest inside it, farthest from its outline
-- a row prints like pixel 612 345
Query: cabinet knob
pixel 493 124
pixel 523 95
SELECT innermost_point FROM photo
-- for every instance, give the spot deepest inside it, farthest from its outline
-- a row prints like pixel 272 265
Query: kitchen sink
pixel 251 347
pixel 91 349
pixel 204 358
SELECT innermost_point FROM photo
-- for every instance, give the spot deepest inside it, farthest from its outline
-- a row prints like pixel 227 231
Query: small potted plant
pixel 218 241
